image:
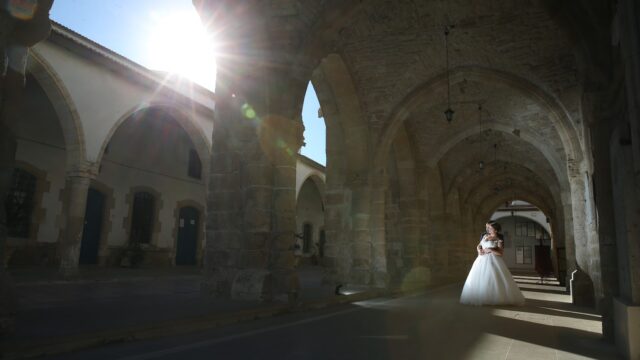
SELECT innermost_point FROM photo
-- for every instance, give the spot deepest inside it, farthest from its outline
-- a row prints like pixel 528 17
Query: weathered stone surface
pixel 252 284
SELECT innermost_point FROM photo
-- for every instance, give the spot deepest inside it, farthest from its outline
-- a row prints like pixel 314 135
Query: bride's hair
pixel 497 227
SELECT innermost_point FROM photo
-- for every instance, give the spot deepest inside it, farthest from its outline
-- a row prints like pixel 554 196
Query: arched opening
pixel 153 158
pixel 41 160
pixel 310 217
pixel 314 146
pixel 528 239
pixel 348 186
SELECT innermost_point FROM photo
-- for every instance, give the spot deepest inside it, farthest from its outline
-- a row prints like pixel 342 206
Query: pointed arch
pixel 64 107
pixel 558 114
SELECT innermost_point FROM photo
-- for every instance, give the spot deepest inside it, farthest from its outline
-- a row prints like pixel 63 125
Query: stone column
pixel 8 148
pixel 361 238
pixel 410 230
pixel 628 143
pixel 627 184
pixel 337 250
pixel 337 200
pixel 568 236
pixel 7 297
pixel 75 204
pixel 285 142
pixel 439 247
pixel 378 234
pixel 224 222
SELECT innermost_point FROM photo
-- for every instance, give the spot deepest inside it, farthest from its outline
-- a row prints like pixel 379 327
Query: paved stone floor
pixel 431 325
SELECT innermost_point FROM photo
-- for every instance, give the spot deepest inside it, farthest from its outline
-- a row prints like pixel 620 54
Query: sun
pixel 179 44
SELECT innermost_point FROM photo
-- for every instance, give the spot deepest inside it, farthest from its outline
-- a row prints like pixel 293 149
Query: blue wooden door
pixel 187 236
pixel 92 227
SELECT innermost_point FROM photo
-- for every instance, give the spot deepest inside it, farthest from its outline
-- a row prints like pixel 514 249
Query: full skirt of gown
pixel 490 283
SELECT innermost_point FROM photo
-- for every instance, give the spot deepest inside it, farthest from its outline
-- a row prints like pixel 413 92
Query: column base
pixel 416 279
pixel 582 293
pixel 253 284
pixel 218 284
pixel 69 273
pixel 627 328
pixel 360 276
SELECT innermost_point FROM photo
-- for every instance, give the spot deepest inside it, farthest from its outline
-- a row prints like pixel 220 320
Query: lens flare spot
pixel 248 111
pixel 22 9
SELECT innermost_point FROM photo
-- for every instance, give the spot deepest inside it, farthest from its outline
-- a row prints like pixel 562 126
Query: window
pixel 524 255
pixel 195 165
pixel 307 232
pixel 142 220
pixel 321 241
pixel 19 204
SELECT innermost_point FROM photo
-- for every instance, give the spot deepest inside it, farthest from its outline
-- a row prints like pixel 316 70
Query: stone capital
pixel 83 169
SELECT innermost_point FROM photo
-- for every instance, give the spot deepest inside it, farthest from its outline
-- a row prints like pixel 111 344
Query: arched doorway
pixel 92 230
pixel 187 240
pixel 310 216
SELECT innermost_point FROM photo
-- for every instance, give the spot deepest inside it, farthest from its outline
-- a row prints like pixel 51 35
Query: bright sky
pixel 166 35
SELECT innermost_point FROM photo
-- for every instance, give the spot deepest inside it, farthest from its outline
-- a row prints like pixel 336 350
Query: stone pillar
pixel 7 297
pixel 285 142
pixel 257 134
pixel 439 247
pixel 378 235
pixel 225 219
pixel 626 179
pixel 362 250
pixel 337 201
pixel 74 208
pixel 568 236
pixel 337 250
pixel 627 144
pixel 8 148
pixel 410 230
pixel 605 252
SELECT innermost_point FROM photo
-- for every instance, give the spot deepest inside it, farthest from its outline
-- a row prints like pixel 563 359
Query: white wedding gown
pixel 490 282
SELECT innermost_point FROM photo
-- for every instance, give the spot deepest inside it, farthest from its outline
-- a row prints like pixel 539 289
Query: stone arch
pixel 527 136
pixel 310 211
pixel 64 107
pixel 484 212
pixel 348 182
pixel 201 142
pixel 342 113
pixel 559 115
pixel 520 177
pixel 315 177
pixel 559 237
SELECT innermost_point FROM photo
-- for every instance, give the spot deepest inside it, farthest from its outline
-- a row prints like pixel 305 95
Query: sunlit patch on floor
pixel 530 315
pixel 535 295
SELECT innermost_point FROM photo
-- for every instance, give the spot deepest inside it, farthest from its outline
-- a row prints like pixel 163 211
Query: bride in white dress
pixel 489 281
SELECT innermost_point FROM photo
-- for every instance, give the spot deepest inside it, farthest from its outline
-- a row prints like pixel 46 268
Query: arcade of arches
pixel 545 110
